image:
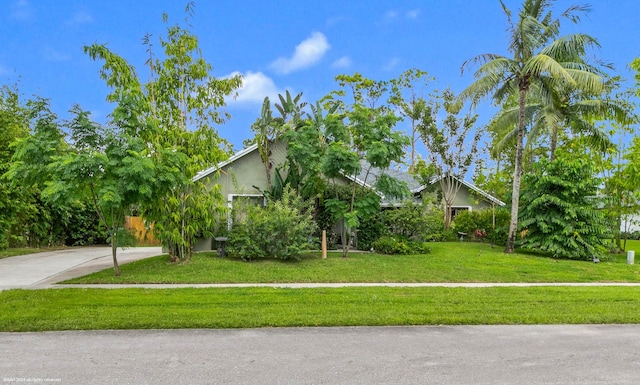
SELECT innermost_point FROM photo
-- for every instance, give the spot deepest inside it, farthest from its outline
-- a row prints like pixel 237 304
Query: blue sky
pixel 278 45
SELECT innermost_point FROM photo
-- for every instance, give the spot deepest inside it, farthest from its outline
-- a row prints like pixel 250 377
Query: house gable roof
pixel 367 172
pixel 233 158
pixel 469 185
pixel 414 185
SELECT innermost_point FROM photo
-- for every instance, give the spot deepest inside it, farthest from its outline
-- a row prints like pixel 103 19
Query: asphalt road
pixel 580 354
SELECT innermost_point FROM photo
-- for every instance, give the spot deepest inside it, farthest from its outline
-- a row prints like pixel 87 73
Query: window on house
pixel 252 200
pixel 238 203
pixel 456 210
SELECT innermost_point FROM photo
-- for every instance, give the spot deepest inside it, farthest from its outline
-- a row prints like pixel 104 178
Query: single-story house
pixel 469 196
pixel 243 176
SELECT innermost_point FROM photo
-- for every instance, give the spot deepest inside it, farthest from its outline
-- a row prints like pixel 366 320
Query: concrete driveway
pixel 43 269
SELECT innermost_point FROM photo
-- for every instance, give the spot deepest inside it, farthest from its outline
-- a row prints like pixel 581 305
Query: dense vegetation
pixel 73 181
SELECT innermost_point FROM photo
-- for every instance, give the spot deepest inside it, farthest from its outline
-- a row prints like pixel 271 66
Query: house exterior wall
pixel 465 198
pixel 240 176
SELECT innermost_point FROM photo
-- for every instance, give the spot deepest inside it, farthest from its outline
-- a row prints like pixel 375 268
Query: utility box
pixel 630 256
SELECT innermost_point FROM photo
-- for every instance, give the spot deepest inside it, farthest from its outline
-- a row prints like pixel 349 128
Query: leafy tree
pixel 450 150
pixel 290 109
pixel 269 129
pixel 37 220
pixel 539 59
pixel 107 166
pixel 14 122
pixel 570 110
pixel 362 131
pixel 306 147
pixel 623 187
pixel 174 114
pixel 560 213
pixel 407 95
pixel 266 130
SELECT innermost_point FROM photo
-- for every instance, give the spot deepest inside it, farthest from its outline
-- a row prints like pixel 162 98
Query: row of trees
pixel 547 89
pixel 162 131
pixel 160 134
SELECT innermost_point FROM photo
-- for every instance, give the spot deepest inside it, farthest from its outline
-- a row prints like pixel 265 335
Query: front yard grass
pixel 12 252
pixel 447 262
pixel 88 309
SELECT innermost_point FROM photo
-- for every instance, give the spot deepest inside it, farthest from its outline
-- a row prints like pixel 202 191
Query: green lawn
pixel 27 250
pixel 633 245
pixel 448 262
pixel 84 309
pixel 126 308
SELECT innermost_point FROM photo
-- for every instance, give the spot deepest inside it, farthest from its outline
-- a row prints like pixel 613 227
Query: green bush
pixel 479 225
pixel 370 230
pixel 391 245
pixel 370 225
pixel 281 230
pixel 559 215
pixel 414 222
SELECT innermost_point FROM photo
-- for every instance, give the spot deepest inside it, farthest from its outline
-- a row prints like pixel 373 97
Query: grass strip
pixel 89 309
pixel 448 262
pixel 12 252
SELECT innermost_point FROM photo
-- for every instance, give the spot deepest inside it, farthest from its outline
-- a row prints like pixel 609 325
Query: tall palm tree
pixel 570 110
pixel 538 54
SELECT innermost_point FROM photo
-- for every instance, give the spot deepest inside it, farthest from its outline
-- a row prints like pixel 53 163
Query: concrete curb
pixel 338 285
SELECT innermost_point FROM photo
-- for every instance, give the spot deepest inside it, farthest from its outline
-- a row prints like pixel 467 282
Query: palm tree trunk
pixel 554 144
pixel 515 197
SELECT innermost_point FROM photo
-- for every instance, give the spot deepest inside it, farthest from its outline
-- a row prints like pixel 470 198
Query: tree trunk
pixel 412 166
pixel 345 240
pixel 114 250
pixel 447 216
pixel 554 144
pixel 517 172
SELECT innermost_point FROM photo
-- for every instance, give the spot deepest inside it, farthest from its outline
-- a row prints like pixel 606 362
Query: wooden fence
pixel 143 234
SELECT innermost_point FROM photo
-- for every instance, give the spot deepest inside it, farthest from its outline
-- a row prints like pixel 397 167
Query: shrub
pixel 414 222
pixel 391 245
pixel 408 221
pixel 479 224
pixel 558 215
pixel 281 230
pixel 370 230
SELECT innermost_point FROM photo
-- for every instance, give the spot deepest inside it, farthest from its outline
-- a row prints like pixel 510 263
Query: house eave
pixel 233 158
pixel 469 185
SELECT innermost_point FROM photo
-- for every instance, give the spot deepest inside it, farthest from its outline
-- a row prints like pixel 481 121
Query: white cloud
pixel 21 10
pixel 343 62
pixel 255 86
pixel 50 54
pixel 394 15
pixel 392 64
pixel 391 15
pixel 81 17
pixel 413 14
pixel 307 53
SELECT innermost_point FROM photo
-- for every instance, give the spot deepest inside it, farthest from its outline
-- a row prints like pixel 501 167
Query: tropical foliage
pixel 452 145
pixel 174 114
pixel 540 59
pixel 560 212
pixel 552 138
pixel 280 230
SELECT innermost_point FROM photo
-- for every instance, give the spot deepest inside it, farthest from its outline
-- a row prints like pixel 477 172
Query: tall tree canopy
pixel 175 114
pixel 539 59
pixel 452 145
